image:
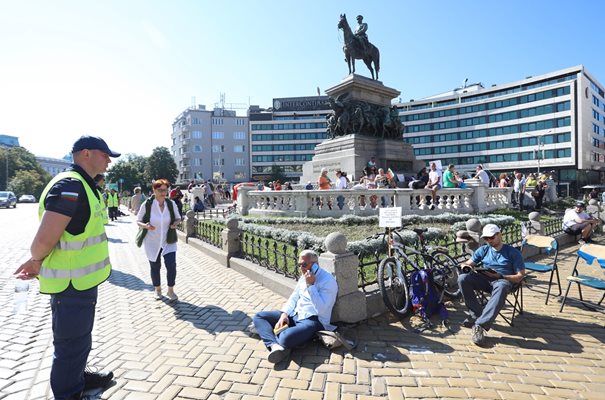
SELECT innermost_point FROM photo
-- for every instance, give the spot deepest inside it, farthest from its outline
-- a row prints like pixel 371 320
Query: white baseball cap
pixel 490 230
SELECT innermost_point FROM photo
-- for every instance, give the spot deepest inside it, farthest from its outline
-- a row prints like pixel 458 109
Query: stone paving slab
pixel 196 349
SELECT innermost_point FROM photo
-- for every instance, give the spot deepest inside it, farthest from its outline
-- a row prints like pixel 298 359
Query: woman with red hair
pixel 158 217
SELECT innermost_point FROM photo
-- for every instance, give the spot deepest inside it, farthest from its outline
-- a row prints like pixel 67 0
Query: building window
pixel 218 162
pixel 195 121
pixel 217 121
pixel 239 148
pixel 218 135
pixel 240 162
pixel 197 148
pixel 197 162
pixel 239 135
pixel 240 121
pixel 196 135
pixel 218 148
pixel 240 175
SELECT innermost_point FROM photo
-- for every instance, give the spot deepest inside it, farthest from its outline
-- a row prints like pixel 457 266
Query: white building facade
pixel 211 145
pixel 550 122
pixel 285 135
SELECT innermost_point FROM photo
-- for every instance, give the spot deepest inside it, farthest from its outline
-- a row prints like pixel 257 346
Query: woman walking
pixel 158 217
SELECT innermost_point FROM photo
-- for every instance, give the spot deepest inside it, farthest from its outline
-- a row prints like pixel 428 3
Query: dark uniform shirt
pixel 68 197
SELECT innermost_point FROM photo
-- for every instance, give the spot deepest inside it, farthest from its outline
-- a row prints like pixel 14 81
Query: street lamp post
pixel 539 152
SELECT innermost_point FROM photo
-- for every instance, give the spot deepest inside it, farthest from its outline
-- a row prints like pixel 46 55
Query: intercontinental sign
pixel 301 103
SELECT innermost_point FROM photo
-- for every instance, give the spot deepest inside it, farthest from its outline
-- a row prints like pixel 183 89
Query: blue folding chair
pixel 550 247
pixel 589 253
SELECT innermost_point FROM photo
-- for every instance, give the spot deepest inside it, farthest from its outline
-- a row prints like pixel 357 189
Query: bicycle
pixel 394 271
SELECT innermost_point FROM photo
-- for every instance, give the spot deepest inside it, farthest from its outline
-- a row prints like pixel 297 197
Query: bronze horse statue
pixel 354 50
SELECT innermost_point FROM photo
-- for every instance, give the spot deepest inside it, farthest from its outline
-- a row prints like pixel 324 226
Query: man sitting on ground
pixel 576 221
pixel 307 311
pixel 508 270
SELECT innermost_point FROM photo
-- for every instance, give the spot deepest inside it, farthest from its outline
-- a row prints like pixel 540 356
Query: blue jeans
pixel 170 263
pixel 73 316
pixel 298 333
pixel 499 289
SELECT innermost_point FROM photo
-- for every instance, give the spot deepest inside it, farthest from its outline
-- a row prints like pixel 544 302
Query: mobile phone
pixel 277 331
pixel 314 268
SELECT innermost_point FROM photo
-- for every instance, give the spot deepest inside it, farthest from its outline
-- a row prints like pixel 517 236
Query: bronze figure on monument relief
pixel 358 47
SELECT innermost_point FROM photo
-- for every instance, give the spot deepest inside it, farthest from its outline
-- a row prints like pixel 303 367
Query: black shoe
pixel 77 396
pixel 95 380
pixel 468 322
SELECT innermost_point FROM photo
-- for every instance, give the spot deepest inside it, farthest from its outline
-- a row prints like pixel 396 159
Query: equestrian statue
pixel 358 47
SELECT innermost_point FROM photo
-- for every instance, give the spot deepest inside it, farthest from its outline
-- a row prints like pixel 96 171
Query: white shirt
pixel 433 175
pixel 341 183
pixel 156 240
pixel 571 216
pixel 317 299
pixel 483 177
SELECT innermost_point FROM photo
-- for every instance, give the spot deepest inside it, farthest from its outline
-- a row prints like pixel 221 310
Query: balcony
pixel 185 155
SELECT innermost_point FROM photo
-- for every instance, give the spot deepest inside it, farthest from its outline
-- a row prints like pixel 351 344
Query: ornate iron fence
pixel 209 232
pixel 271 254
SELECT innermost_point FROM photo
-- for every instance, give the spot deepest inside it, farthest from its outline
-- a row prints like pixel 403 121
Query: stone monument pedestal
pixel 351 152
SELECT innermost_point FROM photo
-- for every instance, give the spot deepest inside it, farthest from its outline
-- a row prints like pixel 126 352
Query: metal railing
pixel 269 253
pixel 209 232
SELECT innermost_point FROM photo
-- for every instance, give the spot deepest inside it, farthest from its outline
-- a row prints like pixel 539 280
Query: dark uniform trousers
pixel 73 314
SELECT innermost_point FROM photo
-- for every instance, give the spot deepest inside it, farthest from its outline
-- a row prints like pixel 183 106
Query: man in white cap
pixel 507 270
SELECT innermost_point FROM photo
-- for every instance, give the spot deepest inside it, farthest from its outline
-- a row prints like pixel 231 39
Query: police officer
pixel 112 204
pixel 70 257
pixel 100 182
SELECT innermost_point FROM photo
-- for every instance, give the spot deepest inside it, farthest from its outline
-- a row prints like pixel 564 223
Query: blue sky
pixel 124 69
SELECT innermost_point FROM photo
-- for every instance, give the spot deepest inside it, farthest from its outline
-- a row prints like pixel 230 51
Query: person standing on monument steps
pixel 70 257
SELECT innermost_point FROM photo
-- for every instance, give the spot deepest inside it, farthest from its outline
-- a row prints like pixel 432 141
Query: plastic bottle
pixel 21 291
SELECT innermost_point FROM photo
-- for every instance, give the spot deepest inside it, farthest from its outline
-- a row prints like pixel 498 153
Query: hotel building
pixel 548 122
pixel 286 134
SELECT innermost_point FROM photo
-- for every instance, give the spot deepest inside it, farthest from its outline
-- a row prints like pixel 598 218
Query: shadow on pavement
pixel 556 334
pixel 112 240
pixel 211 318
pixel 128 281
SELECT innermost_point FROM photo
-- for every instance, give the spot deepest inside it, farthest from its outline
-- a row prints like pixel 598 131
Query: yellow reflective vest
pixel 81 259
pixel 112 199
pixel 103 206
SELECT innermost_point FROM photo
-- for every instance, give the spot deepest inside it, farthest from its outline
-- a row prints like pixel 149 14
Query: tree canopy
pixel 161 165
pixel 25 175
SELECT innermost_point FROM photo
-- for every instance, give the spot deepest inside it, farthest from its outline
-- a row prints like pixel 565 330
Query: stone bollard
pixel 350 303
pixel 535 226
pixel 243 201
pixel 472 235
pixel 190 223
pixel 230 235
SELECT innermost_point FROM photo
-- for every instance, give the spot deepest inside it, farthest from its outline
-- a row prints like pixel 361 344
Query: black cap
pixel 93 143
pixel 580 204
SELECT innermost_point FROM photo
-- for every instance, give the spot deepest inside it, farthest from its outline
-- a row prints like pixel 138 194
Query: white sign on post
pixel 390 217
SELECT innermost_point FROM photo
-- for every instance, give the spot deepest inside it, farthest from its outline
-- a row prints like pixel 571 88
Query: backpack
pixel 426 300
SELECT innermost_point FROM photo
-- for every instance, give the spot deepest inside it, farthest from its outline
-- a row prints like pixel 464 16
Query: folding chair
pixel 588 253
pixel 551 248
pixel 516 302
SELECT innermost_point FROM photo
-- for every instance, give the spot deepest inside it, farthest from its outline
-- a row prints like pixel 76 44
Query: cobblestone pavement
pixel 196 349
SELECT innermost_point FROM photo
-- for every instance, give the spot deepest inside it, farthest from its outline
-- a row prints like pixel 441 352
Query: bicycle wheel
pixel 447 269
pixel 393 283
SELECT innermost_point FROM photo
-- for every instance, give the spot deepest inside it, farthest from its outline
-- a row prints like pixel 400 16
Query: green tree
pixel 26 182
pixel 161 165
pixel 15 159
pixel 126 170
pixel 277 173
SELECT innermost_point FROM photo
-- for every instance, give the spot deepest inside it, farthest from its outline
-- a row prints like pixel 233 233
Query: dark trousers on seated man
pixel 299 331
pixel 484 316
